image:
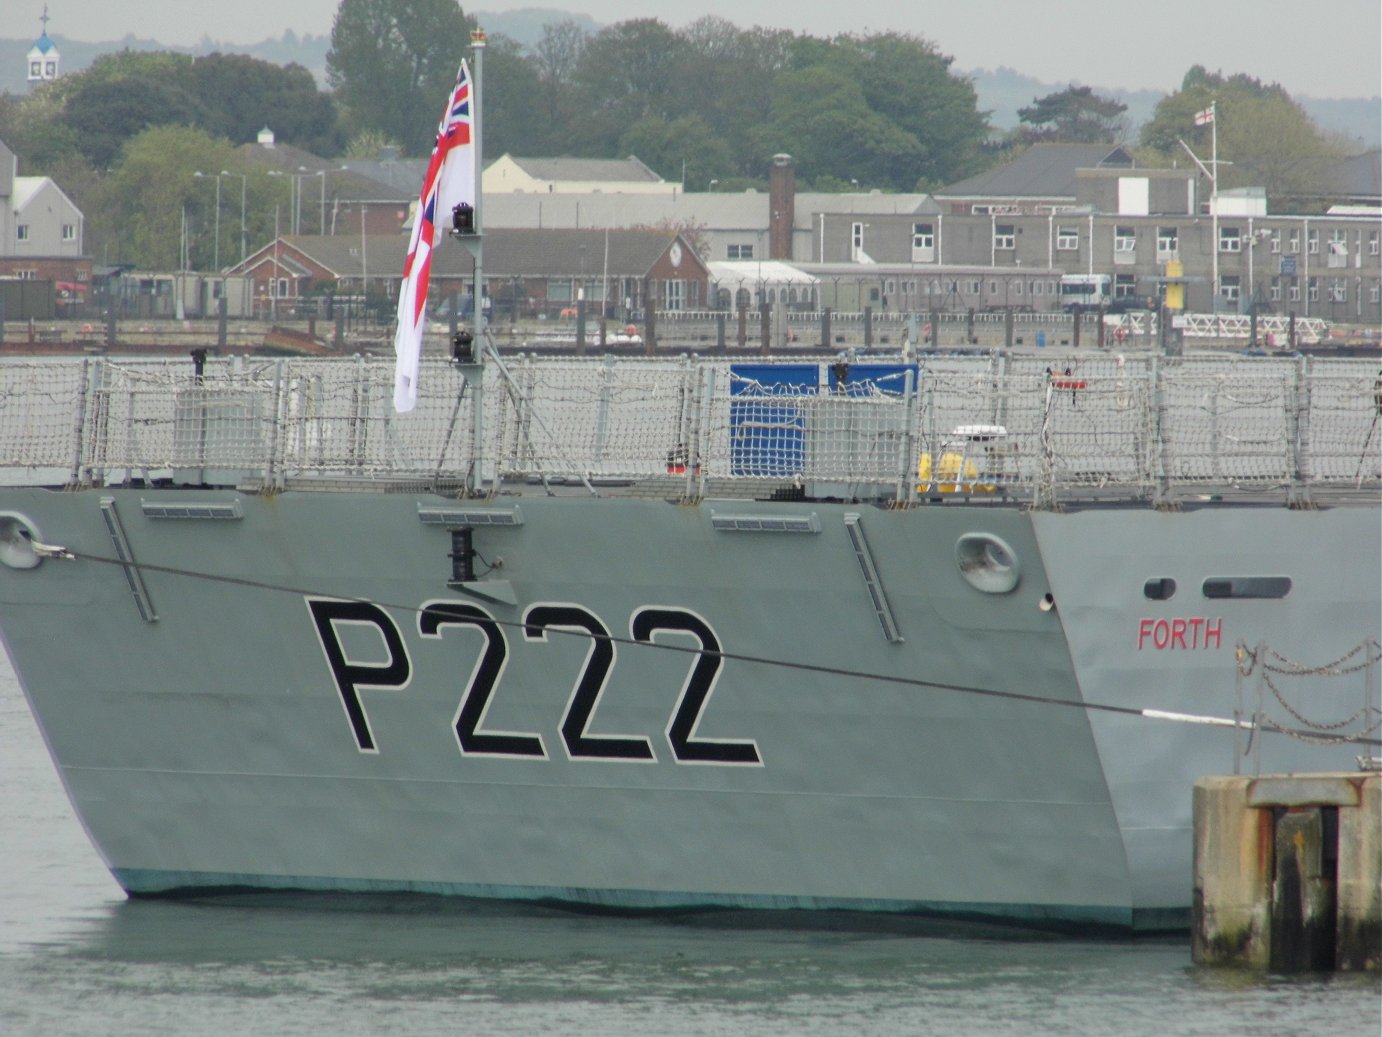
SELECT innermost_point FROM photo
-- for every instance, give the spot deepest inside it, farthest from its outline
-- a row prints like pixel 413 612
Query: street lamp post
pixel 216 248
pixel 322 223
pixel 243 236
pixel 295 195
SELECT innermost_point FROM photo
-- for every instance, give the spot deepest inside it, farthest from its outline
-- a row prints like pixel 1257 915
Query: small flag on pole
pixel 450 180
pixel 1205 117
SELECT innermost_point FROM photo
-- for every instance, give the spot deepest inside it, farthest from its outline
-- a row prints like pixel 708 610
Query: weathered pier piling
pixel 1288 872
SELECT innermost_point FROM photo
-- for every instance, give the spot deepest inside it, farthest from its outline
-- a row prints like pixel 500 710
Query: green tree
pixel 732 70
pixel 513 110
pixel 1075 115
pixel 369 144
pixel 104 113
pixel 908 82
pixel 1265 138
pixel 822 118
pixel 141 204
pixel 242 94
pixel 31 126
pixel 685 147
pixel 392 63
pixel 555 58
pixel 628 72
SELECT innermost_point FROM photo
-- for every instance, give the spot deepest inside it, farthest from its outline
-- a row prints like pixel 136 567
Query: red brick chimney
pixel 782 194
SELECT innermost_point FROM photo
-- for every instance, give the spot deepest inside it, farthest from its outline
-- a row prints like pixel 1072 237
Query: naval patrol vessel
pixel 947 636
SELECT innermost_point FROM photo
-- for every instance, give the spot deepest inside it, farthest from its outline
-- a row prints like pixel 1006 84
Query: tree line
pixel 710 103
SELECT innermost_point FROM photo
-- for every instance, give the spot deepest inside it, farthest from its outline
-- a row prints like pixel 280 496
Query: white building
pixel 43 56
pixel 574 176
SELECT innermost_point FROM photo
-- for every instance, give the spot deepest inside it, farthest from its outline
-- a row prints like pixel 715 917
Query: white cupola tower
pixel 43 56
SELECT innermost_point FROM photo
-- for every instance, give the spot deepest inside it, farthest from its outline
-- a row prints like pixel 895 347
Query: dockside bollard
pixel 1288 872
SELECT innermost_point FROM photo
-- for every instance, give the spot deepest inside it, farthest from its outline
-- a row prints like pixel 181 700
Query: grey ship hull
pixel 229 715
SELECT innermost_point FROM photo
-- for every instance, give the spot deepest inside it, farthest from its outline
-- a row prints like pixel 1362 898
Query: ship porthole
pixel 17 542
pixel 987 563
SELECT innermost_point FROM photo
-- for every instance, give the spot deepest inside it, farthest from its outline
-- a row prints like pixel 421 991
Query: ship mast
pixel 474 370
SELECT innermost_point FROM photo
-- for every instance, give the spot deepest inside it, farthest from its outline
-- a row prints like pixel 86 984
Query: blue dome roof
pixel 44 44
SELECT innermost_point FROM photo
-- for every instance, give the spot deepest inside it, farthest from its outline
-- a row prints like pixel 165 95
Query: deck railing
pixel 1001 424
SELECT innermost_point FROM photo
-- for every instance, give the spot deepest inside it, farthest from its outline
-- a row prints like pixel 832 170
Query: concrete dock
pixel 1288 872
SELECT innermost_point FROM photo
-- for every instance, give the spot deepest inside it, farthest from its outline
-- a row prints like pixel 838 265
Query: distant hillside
pixel 1004 90
pixel 1001 91
pixel 526 24
pixel 308 51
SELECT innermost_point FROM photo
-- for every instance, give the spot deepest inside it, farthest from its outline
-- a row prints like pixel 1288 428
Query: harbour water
pixel 77 958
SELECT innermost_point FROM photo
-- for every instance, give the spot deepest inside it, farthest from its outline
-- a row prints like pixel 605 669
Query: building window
pixel 1313 289
pixel 69 232
pixel 1036 287
pixel 21 232
pixel 1124 286
pixel 1312 242
pixel 1004 237
pixel 923 243
pixel 674 294
pixel 1338 248
pixel 1229 288
pixel 1276 241
pixel 1124 239
pixel 1274 290
pixel 1067 239
pixel 1294 242
pixel 35 69
pixel 1293 292
pixel 1167 242
pixel 26 275
pixel 1230 240
pixel 856 240
pixel 1375 293
pixel 974 287
pixel 1338 290
pixel 1372 242
pixel 1017 287
pixel 739 252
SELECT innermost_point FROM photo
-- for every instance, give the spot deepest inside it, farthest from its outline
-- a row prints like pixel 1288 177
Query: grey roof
pixel 392 178
pixel 590 169
pixel 508 253
pixel 1042 171
pixel 388 180
pixel 632 253
pixel 743 210
pixel 1360 176
pixel 526 210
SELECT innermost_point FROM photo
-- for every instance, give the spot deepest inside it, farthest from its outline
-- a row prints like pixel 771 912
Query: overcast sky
pixel 1329 48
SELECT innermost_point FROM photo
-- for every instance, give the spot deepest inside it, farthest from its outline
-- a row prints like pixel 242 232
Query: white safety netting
pixel 976 424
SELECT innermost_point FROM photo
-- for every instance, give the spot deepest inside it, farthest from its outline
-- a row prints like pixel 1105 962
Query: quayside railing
pixel 1015 425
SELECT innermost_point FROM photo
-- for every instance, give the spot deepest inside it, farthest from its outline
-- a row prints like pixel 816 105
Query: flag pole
pixel 475 478
pixel 1214 201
